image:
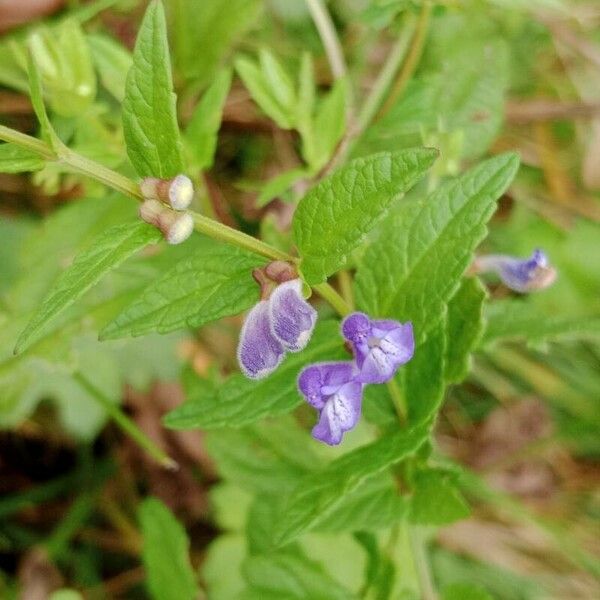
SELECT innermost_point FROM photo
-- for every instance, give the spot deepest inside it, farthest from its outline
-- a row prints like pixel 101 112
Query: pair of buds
pixel 164 199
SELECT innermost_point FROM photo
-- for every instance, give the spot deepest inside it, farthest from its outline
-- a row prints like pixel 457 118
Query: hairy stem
pixel 329 36
pixel 126 424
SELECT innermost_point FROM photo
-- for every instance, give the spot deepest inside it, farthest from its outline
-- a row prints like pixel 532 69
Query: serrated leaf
pixel 510 320
pixel 436 500
pixel 336 214
pixel 165 554
pixel 149 108
pixel 464 328
pixel 110 250
pixel 113 62
pixel 414 267
pixel 215 281
pixel 14 159
pixel 290 575
pixel 319 494
pixel 240 401
pixel 201 133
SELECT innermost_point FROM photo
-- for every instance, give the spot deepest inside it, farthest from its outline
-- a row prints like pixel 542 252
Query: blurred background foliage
pixel 519 437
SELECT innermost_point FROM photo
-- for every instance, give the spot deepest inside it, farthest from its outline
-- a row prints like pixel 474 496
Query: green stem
pixel 76 163
pixel 126 424
pixel 326 29
pixel 386 76
pixel 218 231
pixel 26 141
pixel 328 293
pixel 375 97
pixel 398 400
pixel 412 59
pixel 419 553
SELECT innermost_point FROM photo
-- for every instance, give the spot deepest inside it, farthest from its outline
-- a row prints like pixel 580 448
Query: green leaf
pixel 375 505
pixel 165 554
pixel 149 110
pixel 14 159
pixel 465 591
pixel 465 327
pixel 319 494
pixel 267 457
pixel 259 87
pixel 113 62
pixel 201 133
pixel 290 575
pixel 215 281
pixel 275 187
pixel 423 249
pixel 62 56
pixel 329 124
pixel 204 31
pixel 278 81
pixel 336 214
pixel 37 100
pixel 240 401
pixel 222 567
pixel 511 320
pixel 110 250
pixel 422 380
pixel 436 500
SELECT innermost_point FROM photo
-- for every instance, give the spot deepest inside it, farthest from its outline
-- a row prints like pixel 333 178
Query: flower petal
pixel 356 327
pixel 259 353
pixel 320 380
pixel 292 317
pixel 340 414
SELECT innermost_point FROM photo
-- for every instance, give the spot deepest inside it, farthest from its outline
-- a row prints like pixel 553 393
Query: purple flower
pixel 332 389
pixel 520 275
pixel 380 346
pixel 292 317
pixel 259 352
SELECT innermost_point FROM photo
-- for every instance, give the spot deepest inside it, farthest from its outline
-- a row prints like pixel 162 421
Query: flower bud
pixel 177 192
pixel 176 227
pixel 150 211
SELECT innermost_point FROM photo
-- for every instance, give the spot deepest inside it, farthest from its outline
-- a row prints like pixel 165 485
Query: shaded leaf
pixel 165 554
pixel 110 250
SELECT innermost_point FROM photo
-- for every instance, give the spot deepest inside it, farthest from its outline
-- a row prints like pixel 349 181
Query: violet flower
pixel 292 318
pixel 283 323
pixel 259 352
pixel 333 390
pixel 521 275
pixel 380 346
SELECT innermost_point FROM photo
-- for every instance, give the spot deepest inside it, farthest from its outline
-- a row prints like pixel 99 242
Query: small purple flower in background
pixel 292 318
pixel 521 275
pixel 380 346
pixel 332 389
pixel 259 352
